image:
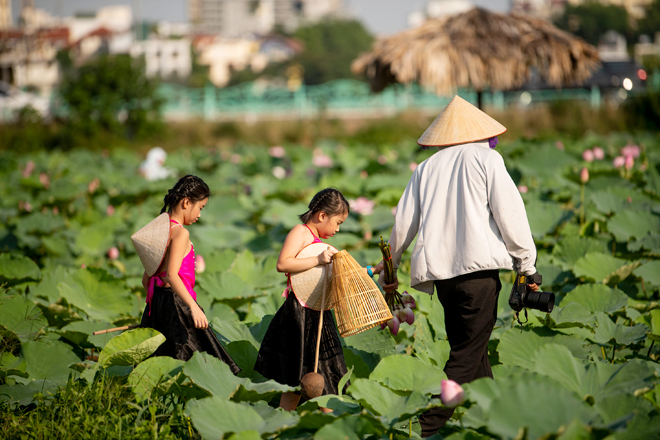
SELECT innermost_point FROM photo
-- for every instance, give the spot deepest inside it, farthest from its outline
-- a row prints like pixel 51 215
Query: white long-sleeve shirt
pixel 467 215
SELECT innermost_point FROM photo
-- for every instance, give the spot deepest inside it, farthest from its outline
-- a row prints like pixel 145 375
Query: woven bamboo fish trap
pixel 357 301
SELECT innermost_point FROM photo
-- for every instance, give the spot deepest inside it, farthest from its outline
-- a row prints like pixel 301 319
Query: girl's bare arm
pixel 294 242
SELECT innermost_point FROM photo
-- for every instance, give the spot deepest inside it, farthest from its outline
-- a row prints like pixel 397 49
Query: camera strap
pixel 520 279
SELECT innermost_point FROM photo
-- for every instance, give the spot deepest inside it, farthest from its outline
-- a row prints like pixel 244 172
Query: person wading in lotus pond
pixel 168 257
pixel 470 222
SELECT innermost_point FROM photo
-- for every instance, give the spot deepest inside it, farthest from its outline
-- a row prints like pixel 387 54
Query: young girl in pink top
pixel 172 307
pixel 288 349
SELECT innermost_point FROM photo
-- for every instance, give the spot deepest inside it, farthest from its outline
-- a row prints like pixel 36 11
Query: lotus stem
pixel 613 352
pixel 648 354
pixel 582 204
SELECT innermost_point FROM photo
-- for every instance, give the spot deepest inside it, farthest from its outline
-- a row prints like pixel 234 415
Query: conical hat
pixel 151 242
pixel 460 122
pixel 308 285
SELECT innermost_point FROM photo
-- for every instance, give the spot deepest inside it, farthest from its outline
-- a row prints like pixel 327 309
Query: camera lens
pixel 543 301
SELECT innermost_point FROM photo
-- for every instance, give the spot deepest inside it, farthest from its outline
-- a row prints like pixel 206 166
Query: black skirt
pixel 172 317
pixel 288 350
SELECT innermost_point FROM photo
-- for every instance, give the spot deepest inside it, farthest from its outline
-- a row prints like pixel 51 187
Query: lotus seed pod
pixel 312 385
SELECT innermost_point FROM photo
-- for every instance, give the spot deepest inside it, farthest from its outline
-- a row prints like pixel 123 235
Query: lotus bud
pixel 629 162
pixel 410 315
pixel 559 145
pixel 588 155
pixel 451 394
pixel 383 325
pixel 584 175
pixel 408 300
pixel 110 210
pixel 618 162
pixel 402 315
pixel 29 167
pixel 200 264
pixel 393 325
pixel 44 180
pixel 599 154
pixel 113 253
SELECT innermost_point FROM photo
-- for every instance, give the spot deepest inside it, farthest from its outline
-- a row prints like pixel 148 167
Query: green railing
pixel 345 98
pixel 340 98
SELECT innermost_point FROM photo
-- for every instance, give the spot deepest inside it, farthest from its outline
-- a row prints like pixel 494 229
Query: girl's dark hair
pixel 328 200
pixel 190 187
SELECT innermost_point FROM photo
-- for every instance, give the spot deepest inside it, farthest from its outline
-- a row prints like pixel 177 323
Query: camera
pixel 522 298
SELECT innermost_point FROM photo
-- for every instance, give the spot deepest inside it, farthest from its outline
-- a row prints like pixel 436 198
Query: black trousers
pixel 470 304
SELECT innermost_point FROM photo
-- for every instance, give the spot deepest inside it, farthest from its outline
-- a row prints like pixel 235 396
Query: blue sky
pixel 380 16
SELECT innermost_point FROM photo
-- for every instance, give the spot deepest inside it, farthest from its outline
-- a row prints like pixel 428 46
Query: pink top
pixel 289 288
pixel 186 273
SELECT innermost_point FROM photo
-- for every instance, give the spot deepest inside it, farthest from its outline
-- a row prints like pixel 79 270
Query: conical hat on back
pixel 151 242
pixel 460 122
pixel 308 285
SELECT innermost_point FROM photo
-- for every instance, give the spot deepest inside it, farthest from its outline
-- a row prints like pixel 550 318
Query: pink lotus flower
pixel 277 151
pixel 29 167
pixel 393 210
pixel 631 150
pixel 630 161
pixel 393 325
pixel 93 185
pixel 451 394
pixel 382 159
pixel 618 162
pixel 364 174
pixel 200 264
pixel 110 210
pixel 24 206
pixel 56 210
pixel 322 160
pixel 588 155
pixel 584 175
pixel 278 172
pixel 523 189
pixel 599 154
pixel 362 205
pixel 45 181
pixel 559 145
pixel 412 166
pixel 113 253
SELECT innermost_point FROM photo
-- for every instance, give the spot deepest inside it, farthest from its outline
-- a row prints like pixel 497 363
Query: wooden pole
pixel 116 329
pixel 318 337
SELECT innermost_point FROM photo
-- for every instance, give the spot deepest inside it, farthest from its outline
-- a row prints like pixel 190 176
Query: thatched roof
pixel 478 49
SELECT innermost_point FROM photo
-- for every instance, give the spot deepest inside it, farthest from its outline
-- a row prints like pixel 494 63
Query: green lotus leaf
pixel 543 217
pixel 11 365
pixel 598 266
pixel 47 287
pixel 100 295
pixel 130 348
pixel 381 219
pixel 21 317
pixel 572 315
pixel 249 391
pixel 613 408
pixel 386 403
pixel 654 322
pixel 246 435
pixel 649 272
pixel 215 417
pixel 347 428
pixel 208 239
pixel 228 288
pixel 517 348
pixel 49 361
pixel 39 223
pixel 152 372
pixel 355 363
pixel 609 332
pixel 568 251
pixel 16 269
pixel 371 345
pixel 520 405
pixel 405 373
pixel 286 214
pixel 252 272
pixel 627 224
pixel 80 333
pixel 23 395
pixel 621 273
pixel 650 242
pixel 231 331
pixel 212 375
pixel 95 240
pixel 218 261
pixel 597 298
pixel 244 353
pixel 382 181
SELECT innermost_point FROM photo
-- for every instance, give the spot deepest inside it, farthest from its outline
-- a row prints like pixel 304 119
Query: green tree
pixel 113 95
pixel 591 20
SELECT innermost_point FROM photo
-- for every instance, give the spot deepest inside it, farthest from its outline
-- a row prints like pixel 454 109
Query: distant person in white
pixel 152 168
pixel 470 221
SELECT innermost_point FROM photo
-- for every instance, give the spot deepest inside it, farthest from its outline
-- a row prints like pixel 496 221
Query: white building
pixel 236 18
pixel 164 58
pixel 438 9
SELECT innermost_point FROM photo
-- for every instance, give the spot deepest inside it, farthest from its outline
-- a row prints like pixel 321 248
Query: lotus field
pixel 588 370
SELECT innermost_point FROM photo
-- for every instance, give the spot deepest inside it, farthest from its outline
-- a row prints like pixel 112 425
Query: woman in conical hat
pixel 470 222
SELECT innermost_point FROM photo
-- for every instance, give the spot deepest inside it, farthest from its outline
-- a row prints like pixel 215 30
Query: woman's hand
pixel 390 287
pixel 325 257
pixel 378 268
pixel 199 318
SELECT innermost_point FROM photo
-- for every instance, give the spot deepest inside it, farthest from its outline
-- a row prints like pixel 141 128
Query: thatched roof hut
pixel 478 49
